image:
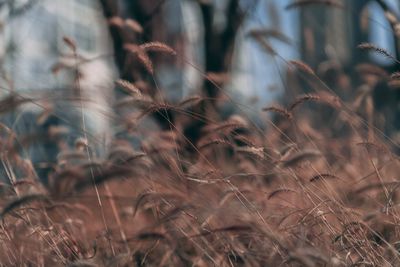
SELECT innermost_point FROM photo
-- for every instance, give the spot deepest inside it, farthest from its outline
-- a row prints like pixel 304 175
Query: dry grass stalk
pixel 24 200
pixel 116 21
pixel 279 191
pixel 146 61
pixel 209 143
pixel 274 33
pixel 302 156
pixel 302 66
pixel 157 47
pixel 279 110
pixel 265 45
pixel 228 126
pixel 303 99
pixel 379 50
pixel 190 101
pixel 134 25
pixel 254 151
pixel 129 87
pixel 141 56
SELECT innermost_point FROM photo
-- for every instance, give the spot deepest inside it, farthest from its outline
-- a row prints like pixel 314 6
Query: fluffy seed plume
pixel 128 87
pixel 280 191
pixel 301 157
pixel 254 151
pixel 133 48
pixel 214 142
pixel 116 21
pixel 379 50
pixel 302 66
pixel 303 99
pixel 142 56
pixel 134 25
pixel 146 61
pixel 279 110
pixel 157 108
pixel 158 47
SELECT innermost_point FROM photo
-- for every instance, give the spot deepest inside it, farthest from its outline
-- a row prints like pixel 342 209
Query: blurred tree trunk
pixel 148 13
pixel 218 44
pixel 335 33
pixel 329 32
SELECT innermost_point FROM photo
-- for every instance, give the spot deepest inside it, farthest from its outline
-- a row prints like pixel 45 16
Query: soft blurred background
pixel 235 53
pixel 32 34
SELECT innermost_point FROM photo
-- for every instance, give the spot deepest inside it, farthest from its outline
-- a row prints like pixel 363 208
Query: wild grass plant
pixel 318 187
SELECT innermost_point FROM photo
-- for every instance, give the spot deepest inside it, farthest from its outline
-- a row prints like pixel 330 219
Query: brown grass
pixel 373 47
pixel 319 187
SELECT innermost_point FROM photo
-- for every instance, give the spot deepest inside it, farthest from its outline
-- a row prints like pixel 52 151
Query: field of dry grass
pixel 312 191
pixel 318 187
